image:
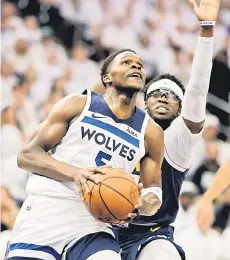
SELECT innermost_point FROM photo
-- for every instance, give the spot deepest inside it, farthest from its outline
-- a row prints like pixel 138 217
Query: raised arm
pixel 150 169
pixel 34 156
pixel 194 102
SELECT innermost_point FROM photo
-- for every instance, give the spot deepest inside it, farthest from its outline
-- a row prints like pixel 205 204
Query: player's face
pixel 163 105
pixel 127 71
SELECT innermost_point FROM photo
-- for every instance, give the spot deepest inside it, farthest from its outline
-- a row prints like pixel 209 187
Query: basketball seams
pixel 118 177
pixel 115 177
pixel 105 203
pixel 107 188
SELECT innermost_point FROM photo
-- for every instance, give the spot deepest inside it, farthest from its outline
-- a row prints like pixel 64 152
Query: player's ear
pixel 107 79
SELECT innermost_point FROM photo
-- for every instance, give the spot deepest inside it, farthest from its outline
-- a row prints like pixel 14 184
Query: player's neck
pixel 120 102
pixel 163 123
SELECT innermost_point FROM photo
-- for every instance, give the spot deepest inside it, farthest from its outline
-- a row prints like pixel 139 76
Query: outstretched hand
pixel 205 213
pixel 207 10
pixel 89 174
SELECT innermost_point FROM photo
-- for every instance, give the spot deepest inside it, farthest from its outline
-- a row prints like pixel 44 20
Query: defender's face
pixel 162 107
pixel 127 71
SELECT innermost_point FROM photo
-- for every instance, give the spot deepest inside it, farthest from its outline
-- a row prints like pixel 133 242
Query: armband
pixel 156 190
pixel 207 23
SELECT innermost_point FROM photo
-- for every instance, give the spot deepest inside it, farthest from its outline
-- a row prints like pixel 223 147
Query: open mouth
pixel 136 75
pixel 162 109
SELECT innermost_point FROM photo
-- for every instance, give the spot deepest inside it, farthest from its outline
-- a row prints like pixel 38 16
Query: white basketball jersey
pixel 95 138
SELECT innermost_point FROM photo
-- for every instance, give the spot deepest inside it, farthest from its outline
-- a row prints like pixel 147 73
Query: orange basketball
pixel 114 197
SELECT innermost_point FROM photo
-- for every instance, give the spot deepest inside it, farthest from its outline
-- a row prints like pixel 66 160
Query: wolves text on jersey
pixel 109 143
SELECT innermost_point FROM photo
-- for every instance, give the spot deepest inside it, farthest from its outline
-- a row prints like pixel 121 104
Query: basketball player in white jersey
pixel 81 134
pixel 182 115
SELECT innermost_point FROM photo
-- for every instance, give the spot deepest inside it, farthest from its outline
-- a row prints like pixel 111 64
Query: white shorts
pixel 46 226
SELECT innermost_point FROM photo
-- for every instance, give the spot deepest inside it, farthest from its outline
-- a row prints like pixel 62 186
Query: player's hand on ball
pixel 89 174
pixel 115 199
pixel 137 207
pixel 207 10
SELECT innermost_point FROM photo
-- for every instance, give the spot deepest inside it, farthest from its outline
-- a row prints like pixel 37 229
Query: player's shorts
pixel 133 239
pixel 54 229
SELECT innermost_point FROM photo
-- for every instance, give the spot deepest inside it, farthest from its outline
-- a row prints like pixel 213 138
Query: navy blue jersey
pixel 171 184
pixel 179 143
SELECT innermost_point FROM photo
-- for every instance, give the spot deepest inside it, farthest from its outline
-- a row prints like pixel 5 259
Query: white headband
pixel 166 84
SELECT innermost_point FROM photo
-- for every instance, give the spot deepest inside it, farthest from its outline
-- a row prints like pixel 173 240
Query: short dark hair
pixel 108 60
pixel 162 76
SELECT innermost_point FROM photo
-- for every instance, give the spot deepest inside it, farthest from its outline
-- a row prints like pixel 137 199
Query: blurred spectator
pixel 116 30
pixel 25 110
pixel 220 33
pixel 9 19
pixel 55 96
pixel 144 47
pixel 12 177
pixel 10 23
pixel 39 53
pixel 201 242
pixel 11 136
pixel 225 240
pixel 60 84
pixel 18 56
pixel 187 209
pixel 31 31
pixel 9 208
pixel 73 11
pixel 177 61
pixel 8 80
pixel 39 87
pixel 83 71
pixel 211 131
pixel 183 34
pixel 9 211
pixel 51 68
pixel 205 173
pixel 220 87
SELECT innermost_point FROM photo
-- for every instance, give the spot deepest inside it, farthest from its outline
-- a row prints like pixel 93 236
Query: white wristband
pixel 207 23
pixel 156 190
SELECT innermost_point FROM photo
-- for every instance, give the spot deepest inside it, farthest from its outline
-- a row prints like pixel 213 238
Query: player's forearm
pixel 194 102
pixel 220 182
pixel 202 61
pixel 39 162
pixel 151 194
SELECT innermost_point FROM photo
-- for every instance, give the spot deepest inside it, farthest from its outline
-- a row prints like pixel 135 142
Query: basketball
pixel 113 198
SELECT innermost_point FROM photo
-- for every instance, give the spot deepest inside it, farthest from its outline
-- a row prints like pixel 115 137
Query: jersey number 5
pixel 101 155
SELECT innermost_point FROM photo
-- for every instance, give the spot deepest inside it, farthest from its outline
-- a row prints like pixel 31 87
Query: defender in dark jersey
pixel 152 237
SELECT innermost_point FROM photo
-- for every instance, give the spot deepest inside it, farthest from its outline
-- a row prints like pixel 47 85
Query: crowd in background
pixel 52 48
